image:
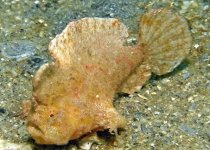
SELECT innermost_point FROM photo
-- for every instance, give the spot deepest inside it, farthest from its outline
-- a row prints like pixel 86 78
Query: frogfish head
pixel 50 125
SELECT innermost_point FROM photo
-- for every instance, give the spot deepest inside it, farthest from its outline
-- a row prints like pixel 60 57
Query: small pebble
pixel 187 75
pixel 208 85
pixel 86 145
pixel 18 50
pixel 185 128
pixel 192 107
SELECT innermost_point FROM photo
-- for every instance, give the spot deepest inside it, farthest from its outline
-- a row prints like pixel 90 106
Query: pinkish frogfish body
pixel 74 94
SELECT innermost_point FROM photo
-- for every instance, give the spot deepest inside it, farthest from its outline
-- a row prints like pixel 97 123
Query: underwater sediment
pixel 168 112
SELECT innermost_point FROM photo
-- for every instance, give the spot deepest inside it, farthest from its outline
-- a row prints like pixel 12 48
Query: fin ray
pixel 167 39
pixel 136 80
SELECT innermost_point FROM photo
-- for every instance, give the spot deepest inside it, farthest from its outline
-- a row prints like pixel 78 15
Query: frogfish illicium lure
pixel 73 95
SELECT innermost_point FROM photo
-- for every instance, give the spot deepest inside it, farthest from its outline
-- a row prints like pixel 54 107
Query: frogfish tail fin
pixel 166 38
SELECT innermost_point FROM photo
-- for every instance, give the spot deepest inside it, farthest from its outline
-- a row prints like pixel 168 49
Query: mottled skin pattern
pixel 73 95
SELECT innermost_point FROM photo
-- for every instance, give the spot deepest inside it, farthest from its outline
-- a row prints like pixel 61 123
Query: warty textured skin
pixel 73 95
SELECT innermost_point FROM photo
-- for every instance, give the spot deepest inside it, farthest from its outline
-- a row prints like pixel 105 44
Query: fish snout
pixel 47 125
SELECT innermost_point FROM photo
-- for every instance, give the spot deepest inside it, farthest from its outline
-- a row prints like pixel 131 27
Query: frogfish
pixel 73 95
